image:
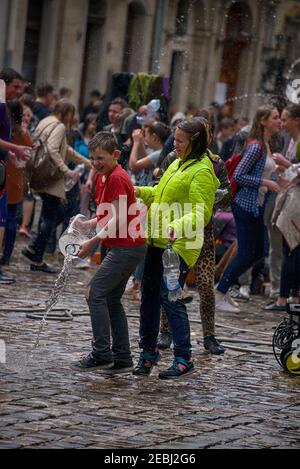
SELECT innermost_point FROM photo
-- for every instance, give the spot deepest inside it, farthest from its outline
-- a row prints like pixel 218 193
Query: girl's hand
pixel 281 160
pixel 172 236
pixel 137 136
pixel 271 185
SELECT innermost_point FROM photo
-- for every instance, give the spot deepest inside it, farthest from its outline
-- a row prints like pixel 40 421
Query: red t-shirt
pixel 118 186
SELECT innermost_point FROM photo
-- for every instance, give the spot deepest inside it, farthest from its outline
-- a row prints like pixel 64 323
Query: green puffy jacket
pixel 183 200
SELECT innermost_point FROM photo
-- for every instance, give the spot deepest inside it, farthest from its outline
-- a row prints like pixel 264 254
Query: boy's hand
pixel 137 191
pixel 87 247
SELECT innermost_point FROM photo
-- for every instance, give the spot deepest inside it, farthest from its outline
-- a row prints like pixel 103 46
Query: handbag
pixel 41 170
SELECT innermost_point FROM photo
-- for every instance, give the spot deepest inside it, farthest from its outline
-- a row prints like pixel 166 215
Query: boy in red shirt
pixel 118 229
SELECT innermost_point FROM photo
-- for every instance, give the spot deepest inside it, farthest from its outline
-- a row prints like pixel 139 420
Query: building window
pixel 181 25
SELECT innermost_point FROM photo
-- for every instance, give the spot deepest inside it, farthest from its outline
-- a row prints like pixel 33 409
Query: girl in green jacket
pixel 180 206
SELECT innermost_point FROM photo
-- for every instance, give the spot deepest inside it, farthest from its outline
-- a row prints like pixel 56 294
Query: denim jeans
pixel 155 294
pixel 10 231
pixel 48 220
pixel 108 317
pixel 290 272
pixel 250 236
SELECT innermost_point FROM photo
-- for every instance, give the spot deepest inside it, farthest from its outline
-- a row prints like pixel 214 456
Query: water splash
pixel 59 286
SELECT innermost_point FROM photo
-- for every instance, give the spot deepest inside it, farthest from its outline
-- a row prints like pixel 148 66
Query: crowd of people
pixel 241 234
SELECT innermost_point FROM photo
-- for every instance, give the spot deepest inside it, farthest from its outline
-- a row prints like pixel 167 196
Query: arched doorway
pixel 236 41
pixel 134 38
pixel 32 39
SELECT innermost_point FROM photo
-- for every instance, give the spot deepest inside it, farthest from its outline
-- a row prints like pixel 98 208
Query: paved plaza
pixel 240 400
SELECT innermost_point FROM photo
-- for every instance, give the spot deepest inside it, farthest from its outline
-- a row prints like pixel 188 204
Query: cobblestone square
pixel 240 400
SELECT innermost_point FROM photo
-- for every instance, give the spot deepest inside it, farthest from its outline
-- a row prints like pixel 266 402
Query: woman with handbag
pixel 253 178
pixel 48 178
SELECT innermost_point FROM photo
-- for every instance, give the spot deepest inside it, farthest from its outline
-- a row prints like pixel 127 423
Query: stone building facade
pixel 209 48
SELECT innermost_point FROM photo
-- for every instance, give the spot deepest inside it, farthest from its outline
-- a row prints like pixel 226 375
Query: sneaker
pixel 43 268
pixel 118 368
pixel 186 297
pixel 6 280
pixel 146 362
pixel 273 306
pixel 231 301
pixel 164 340
pixel 179 368
pixel 83 264
pixel 223 304
pixel 30 255
pixel 89 363
pixel 236 294
pixel 213 346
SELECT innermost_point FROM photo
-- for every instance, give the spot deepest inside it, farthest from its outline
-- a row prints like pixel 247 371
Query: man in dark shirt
pixel 12 85
pixel 42 105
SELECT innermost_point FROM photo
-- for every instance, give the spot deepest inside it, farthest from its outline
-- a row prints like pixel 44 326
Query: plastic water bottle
pixel 74 236
pixel 69 182
pixel 220 194
pixel 171 264
pixel 153 106
pixel 292 172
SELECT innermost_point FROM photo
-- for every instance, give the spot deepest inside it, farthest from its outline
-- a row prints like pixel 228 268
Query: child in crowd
pixel 121 234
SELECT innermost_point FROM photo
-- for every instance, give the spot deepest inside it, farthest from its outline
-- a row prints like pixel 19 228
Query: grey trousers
pixel 108 317
pixel 275 240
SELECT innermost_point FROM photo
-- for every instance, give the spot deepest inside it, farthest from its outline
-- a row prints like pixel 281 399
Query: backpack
pixel 41 170
pixel 231 165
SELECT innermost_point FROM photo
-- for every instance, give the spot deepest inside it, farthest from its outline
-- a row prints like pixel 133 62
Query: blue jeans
pixel 250 236
pixel 49 219
pixel 155 294
pixel 10 231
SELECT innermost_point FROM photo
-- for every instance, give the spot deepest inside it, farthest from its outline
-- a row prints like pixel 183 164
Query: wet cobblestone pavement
pixel 240 400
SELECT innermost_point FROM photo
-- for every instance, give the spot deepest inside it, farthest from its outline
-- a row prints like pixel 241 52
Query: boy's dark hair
pixel 160 129
pixel 104 140
pixel 8 75
pixel 63 92
pixel 293 110
pixel 196 128
pixel 95 93
pixel 120 101
pixel 226 123
pixel 43 89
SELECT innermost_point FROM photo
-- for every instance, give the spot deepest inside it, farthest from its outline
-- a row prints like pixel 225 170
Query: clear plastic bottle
pixel 73 237
pixel 153 106
pixel 171 264
pixel 292 172
pixel 69 182
pixel 220 194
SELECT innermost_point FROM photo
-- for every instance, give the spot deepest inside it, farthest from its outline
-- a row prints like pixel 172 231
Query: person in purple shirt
pixel 13 83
